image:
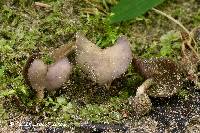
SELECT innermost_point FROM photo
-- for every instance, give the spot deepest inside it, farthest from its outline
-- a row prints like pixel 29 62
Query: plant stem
pixel 183 27
pixel 172 19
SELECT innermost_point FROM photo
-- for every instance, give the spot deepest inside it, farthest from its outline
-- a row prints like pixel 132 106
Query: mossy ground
pixel 25 29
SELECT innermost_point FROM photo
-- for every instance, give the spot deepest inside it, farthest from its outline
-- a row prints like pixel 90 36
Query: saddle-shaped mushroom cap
pixel 36 76
pixel 57 74
pixel 40 76
pixel 103 65
pixel 167 75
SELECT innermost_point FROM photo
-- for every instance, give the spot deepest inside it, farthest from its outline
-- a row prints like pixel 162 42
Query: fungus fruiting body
pixel 141 103
pixel 103 65
pixel 43 77
pixel 166 74
pixel 163 79
pixel 57 74
pixel 62 51
pixel 36 76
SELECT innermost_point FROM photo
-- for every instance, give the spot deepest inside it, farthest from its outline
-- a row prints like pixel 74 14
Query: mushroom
pixel 41 76
pixel 141 103
pixel 57 74
pixel 166 74
pixel 103 65
pixel 36 76
pixel 163 79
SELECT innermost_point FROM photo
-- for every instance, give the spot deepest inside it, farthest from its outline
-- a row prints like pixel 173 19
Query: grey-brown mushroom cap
pixel 103 65
pixel 57 74
pixel 167 75
pixel 36 74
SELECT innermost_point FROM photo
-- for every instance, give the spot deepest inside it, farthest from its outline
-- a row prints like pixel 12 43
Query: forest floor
pixel 26 28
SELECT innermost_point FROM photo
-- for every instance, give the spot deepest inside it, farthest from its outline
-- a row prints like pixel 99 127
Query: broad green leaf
pixel 130 9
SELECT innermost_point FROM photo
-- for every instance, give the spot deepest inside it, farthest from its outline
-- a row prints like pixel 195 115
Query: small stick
pixel 39 4
pixel 92 11
pixel 183 27
pixel 62 51
pixel 172 19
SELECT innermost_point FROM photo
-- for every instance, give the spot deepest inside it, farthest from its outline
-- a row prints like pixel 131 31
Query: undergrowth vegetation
pixel 26 29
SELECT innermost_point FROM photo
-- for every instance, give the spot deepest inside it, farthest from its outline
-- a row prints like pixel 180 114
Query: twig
pixel 192 34
pixel 183 27
pixel 62 51
pixel 39 4
pixel 172 19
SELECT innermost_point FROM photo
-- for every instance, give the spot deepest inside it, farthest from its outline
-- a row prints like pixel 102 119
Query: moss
pixel 169 46
pixel 26 29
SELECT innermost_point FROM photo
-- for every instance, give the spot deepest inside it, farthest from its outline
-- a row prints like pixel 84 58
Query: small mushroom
pixel 57 74
pixel 36 76
pixel 103 65
pixel 141 103
pixel 41 76
pixel 163 79
pixel 166 74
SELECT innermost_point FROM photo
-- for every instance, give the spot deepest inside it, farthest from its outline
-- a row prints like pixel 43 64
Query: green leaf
pixel 130 9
